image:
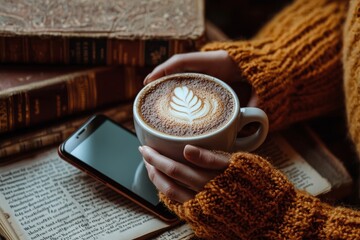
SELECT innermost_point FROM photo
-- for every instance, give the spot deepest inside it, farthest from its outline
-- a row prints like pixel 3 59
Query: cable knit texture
pixel 295 65
pixel 252 200
pixel 351 59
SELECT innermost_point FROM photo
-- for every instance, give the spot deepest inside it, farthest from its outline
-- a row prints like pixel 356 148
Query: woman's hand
pixel 181 181
pixel 214 63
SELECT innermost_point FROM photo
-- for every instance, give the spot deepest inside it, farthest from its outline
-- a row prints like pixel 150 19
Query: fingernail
pixel 192 148
pixel 141 149
pixel 147 78
pixel 192 151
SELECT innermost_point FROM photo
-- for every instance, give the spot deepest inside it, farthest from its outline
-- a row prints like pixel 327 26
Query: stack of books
pixel 61 61
pixel 64 58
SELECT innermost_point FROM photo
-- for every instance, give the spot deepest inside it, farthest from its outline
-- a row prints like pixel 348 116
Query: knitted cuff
pixel 351 60
pixel 309 218
pixel 239 202
pixel 252 200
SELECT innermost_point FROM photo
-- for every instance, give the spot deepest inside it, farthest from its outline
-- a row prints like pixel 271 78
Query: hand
pixel 181 181
pixel 214 63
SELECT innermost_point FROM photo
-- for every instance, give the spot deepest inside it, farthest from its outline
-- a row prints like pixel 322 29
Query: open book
pixel 42 196
pixel 307 162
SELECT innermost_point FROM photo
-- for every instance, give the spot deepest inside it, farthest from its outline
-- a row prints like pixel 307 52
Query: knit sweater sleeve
pixel 351 62
pixel 294 63
pixel 252 200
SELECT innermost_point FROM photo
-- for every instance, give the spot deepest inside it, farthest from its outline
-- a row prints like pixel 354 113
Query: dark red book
pixel 31 95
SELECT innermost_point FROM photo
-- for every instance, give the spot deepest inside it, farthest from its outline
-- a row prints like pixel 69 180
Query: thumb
pixel 253 102
pixel 205 158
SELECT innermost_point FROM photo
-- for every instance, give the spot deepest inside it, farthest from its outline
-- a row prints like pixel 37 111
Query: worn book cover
pixel 136 32
pixel 34 95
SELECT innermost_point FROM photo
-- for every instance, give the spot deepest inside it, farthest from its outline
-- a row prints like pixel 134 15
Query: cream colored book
pixel 43 197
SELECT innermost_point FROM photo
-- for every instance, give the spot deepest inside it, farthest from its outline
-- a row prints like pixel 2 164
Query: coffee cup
pixel 196 109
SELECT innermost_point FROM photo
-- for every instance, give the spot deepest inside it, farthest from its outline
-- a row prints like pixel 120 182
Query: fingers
pixel 186 176
pixel 192 177
pixel 253 102
pixel 180 181
pixel 175 64
pixel 205 158
pixel 167 186
pixel 215 63
pixel 185 62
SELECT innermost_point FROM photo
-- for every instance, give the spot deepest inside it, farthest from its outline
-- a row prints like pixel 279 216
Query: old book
pixel 137 32
pixel 46 135
pixel 40 194
pixel 62 202
pixel 55 132
pixel 33 95
pixel 303 157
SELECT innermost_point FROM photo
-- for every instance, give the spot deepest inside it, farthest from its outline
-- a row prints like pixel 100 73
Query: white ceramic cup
pixel 224 138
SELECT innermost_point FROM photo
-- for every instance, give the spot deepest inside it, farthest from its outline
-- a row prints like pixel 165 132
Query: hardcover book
pixel 136 32
pixel 33 95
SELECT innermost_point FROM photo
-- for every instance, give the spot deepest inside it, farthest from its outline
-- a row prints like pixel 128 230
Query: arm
pixel 244 198
pixel 351 62
pixel 250 200
pixel 294 64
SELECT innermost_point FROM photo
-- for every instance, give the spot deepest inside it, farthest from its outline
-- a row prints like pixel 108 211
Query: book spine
pixel 90 51
pixel 54 133
pixel 67 95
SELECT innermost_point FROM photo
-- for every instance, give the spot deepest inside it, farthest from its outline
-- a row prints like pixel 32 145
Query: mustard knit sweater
pixel 299 65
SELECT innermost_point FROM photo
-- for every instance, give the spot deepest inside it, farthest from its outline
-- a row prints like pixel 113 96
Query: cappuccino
pixel 185 106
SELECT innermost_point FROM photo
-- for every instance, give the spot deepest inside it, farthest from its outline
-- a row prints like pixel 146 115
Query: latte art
pixel 185 105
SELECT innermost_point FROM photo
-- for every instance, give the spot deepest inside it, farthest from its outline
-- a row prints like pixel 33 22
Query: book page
pixel 44 196
pixel 6 230
pixel 183 232
pixel 47 198
pixel 284 157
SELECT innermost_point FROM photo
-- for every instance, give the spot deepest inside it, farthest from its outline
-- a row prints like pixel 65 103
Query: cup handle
pixel 252 142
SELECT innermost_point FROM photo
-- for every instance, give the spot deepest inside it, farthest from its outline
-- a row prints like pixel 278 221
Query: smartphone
pixel 109 153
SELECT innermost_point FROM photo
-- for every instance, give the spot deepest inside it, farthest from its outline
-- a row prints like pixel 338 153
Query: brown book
pixel 32 95
pixel 46 135
pixel 137 32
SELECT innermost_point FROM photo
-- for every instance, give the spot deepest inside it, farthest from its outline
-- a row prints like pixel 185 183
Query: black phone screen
pixel 113 151
pixel 109 153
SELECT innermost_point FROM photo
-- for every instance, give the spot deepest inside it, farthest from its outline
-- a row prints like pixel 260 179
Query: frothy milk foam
pixel 187 106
